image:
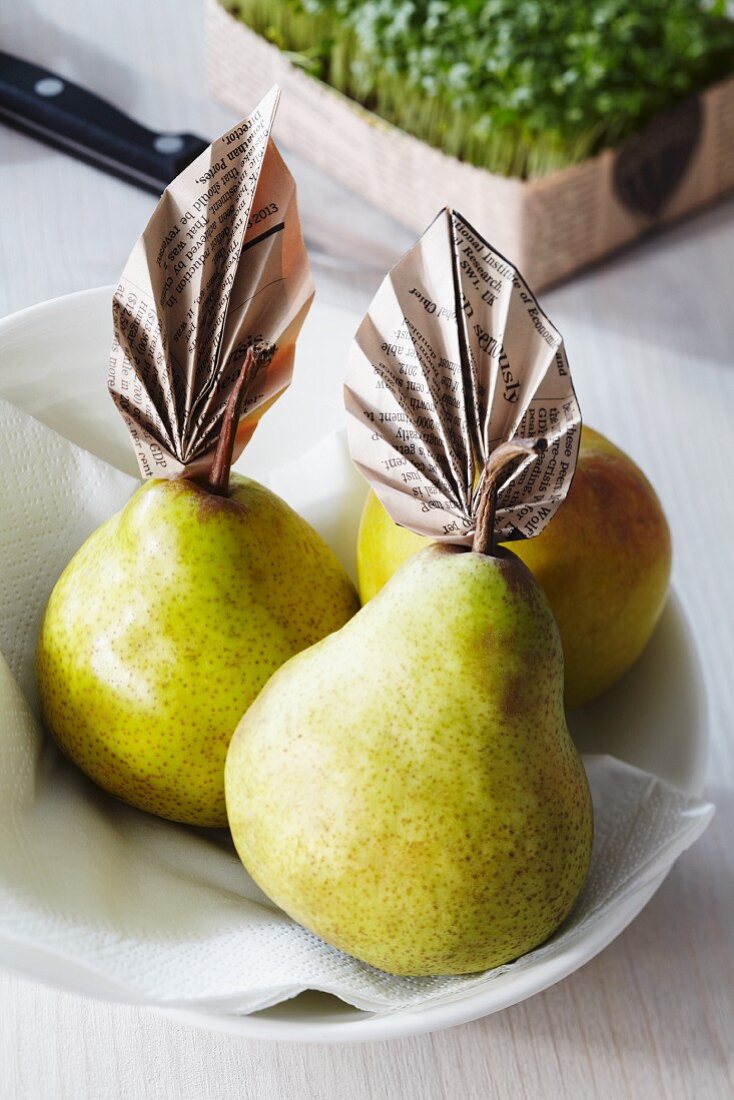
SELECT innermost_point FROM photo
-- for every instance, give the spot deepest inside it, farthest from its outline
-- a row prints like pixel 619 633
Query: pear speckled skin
pixel 407 788
pixel 604 564
pixel 164 627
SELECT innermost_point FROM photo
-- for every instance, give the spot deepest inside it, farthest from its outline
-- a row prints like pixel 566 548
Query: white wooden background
pixel 652 1016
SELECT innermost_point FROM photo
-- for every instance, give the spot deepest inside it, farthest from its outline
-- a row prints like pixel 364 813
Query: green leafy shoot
pixel 520 87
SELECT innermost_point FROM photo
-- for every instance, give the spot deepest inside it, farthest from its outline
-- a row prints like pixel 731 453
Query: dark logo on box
pixel 651 164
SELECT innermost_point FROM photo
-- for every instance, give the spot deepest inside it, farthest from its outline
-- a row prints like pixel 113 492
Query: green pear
pixel 164 627
pixel 407 788
pixel 604 564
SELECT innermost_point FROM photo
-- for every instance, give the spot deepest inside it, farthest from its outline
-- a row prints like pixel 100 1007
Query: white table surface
pixel 650 338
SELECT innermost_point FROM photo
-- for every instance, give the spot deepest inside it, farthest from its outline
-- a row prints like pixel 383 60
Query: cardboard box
pixel 548 227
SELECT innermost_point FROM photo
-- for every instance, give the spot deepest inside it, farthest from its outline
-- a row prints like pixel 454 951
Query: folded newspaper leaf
pixel 220 268
pixel 453 358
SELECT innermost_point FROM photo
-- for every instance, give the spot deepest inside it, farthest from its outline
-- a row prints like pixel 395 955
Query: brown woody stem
pixel 497 463
pixel 218 479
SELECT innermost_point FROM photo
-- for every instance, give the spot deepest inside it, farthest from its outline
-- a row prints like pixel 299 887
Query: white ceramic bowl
pixel 53 361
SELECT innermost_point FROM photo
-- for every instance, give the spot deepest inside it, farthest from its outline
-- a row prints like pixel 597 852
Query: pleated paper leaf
pixel 220 267
pixel 454 357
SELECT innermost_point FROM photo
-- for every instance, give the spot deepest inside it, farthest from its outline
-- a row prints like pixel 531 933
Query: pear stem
pixel 494 470
pixel 217 481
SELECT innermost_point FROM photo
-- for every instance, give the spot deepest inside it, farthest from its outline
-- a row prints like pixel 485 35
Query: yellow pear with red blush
pixel 603 562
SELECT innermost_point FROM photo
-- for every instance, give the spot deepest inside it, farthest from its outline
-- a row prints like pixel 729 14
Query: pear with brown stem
pixel 407 788
pixel 169 620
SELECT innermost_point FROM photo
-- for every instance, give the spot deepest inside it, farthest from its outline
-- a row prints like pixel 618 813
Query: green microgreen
pixel 520 87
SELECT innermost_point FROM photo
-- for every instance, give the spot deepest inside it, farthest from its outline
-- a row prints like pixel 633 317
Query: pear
pixel 604 564
pixel 407 788
pixel 166 624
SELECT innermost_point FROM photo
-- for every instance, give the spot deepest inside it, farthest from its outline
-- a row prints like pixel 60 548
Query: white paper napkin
pixel 107 899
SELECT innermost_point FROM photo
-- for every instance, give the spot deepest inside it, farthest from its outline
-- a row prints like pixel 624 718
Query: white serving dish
pixel 53 361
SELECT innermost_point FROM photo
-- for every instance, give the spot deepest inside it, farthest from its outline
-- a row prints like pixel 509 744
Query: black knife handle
pixel 62 114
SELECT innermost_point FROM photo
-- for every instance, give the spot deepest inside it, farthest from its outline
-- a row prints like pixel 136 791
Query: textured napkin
pixel 105 898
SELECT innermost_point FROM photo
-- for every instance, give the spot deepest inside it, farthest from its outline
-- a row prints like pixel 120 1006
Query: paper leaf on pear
pixel 220 267
pixel 453 358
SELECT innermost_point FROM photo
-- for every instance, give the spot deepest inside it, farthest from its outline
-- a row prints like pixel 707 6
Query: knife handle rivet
pixel 168 143
pixel 49 86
